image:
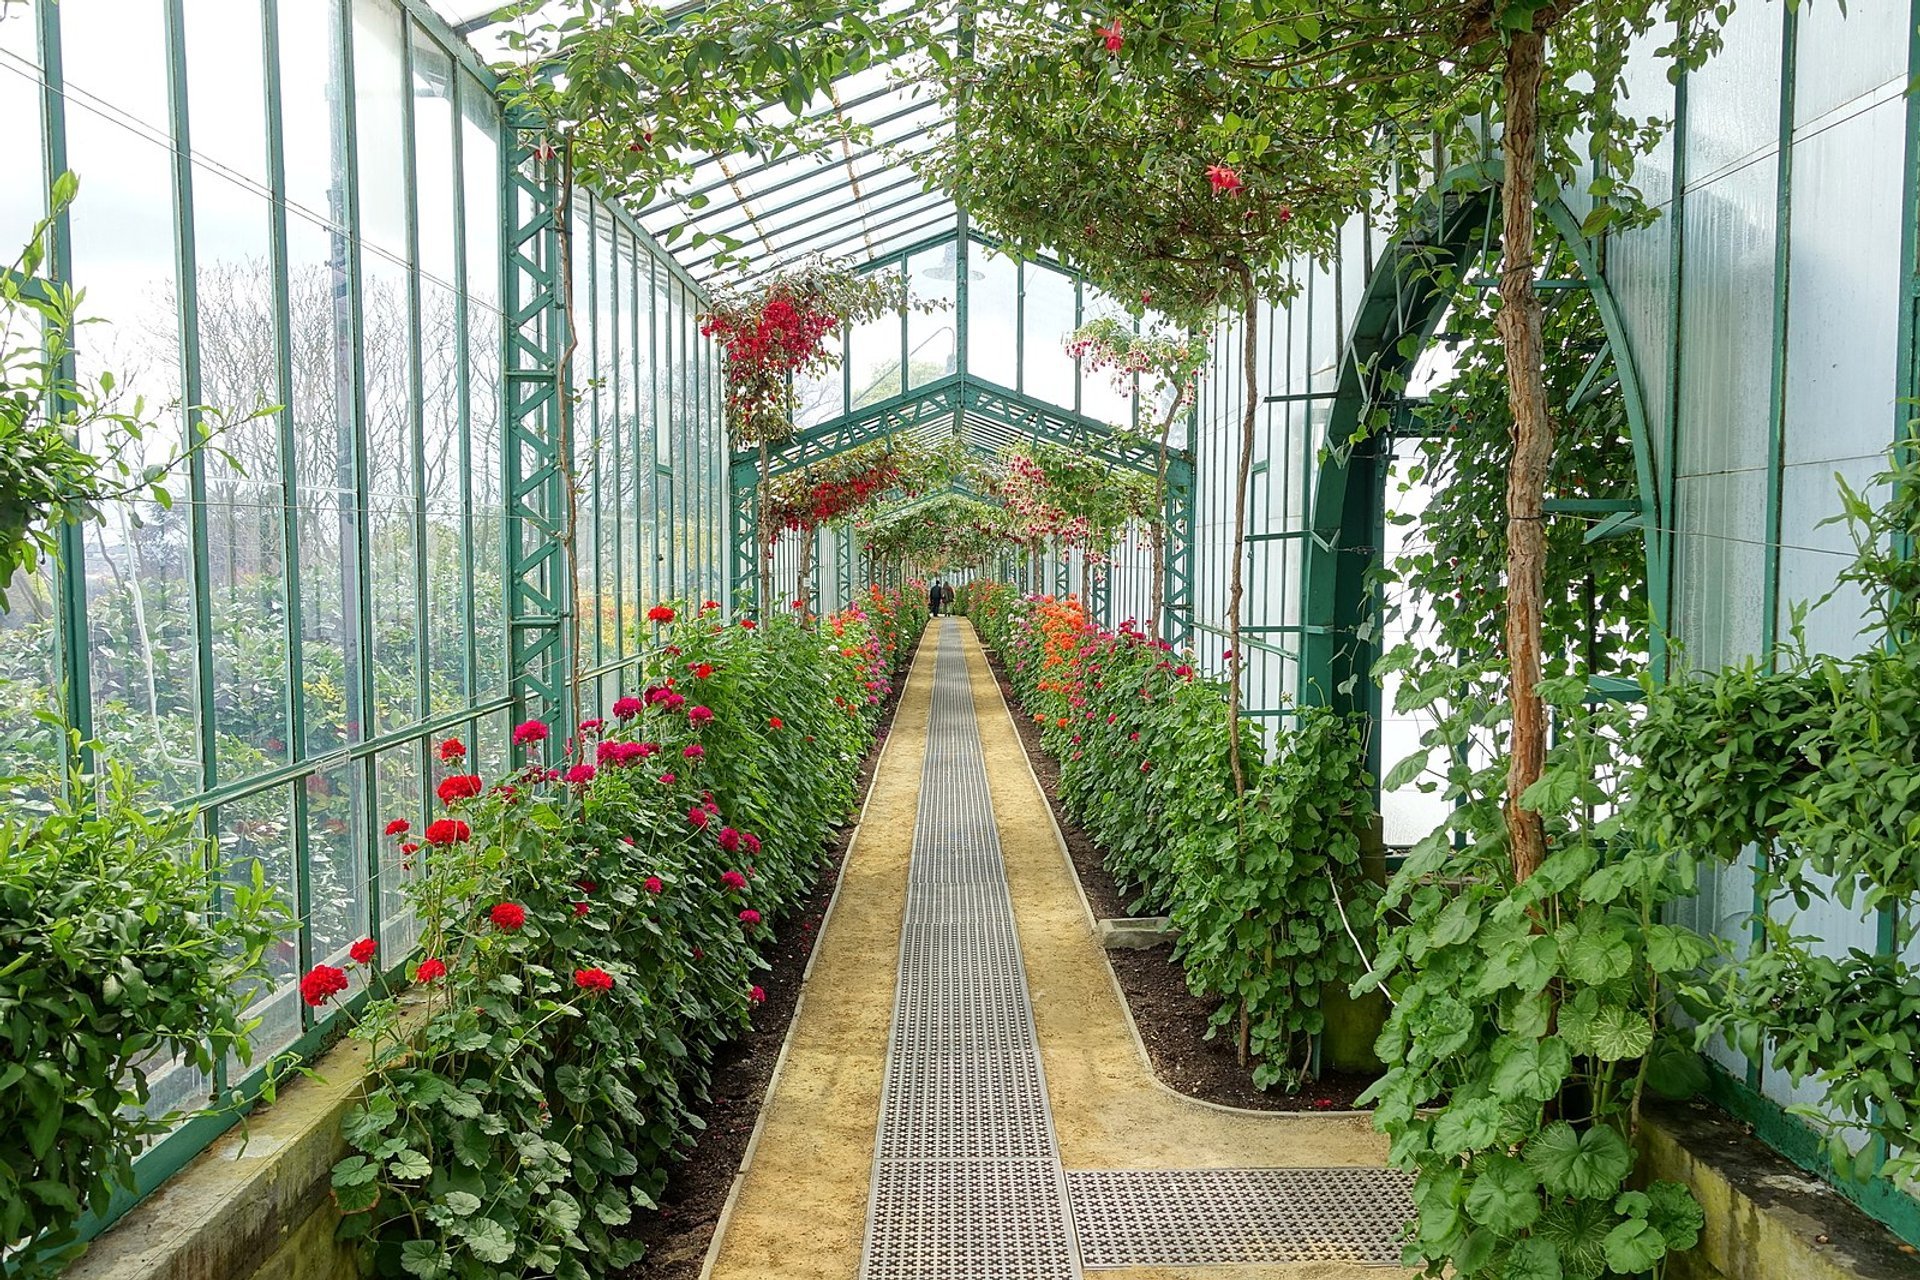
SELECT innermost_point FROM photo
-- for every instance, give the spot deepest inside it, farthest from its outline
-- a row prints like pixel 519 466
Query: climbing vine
pixel 1076 500
pixel 777 331
pixel 1816 763
pixel 1164 365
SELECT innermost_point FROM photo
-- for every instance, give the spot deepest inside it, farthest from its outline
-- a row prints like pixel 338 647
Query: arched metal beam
pixel 1402 301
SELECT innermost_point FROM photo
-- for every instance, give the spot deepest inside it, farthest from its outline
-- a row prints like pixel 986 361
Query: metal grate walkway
pixel 967 1179
pixel 967 1182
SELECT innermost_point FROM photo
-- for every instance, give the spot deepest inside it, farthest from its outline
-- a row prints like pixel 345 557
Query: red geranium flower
pixel 453 749
pixel 757 995
pixel 729 839
pixel 409 849
pixel 593 979
pixel 773 722
pixel 430 969
pixel 748 624
pixel 700 715
pixel 694 751
pixel 751 840
pixel 322 983
pixel 749 917
pixel 626 708
pixel 448 831
pixel 666 779
pixel 399 827
pixel 590 726
pixel 580 773
pixel 698 816
pixel 703 670
pixel 461 786
pixel 660 613
pixel 530 731
pixel 363 950
pixel 581 908
pixel 654 885
pixel 507 915
pixel 732 879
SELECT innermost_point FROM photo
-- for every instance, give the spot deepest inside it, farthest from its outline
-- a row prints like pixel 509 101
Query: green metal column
pixel 538 603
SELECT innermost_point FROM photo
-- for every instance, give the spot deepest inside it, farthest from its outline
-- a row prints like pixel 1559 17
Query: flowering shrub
pixel 1053 492
pixel 1257 890
pixel 589 934
pixel 114 964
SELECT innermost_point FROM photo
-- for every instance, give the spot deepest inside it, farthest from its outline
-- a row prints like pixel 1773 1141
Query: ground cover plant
pixel 591 928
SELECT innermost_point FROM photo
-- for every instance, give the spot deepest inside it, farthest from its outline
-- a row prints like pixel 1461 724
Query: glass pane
pixel 992 302
pixel 379 124
pixel 930 335
pixel 259 828
pixel 312 89
pixel 138 564
pixel 246 547
pixel 434 181
pixel 397 777
pixel 873 357
pixel 1048 373
pixel 321 348
pixel 29 677
pixel 226 85
pixel 337 866
pixel 22 198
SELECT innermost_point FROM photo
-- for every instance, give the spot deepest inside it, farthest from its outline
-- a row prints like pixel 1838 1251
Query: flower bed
pixel 592 926
pixel 1256 886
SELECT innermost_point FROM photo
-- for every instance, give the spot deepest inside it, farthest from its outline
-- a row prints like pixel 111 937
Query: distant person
pixel 936 596
pixel 946 594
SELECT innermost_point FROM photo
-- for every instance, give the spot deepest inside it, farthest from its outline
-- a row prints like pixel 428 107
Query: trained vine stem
pixel 1235 664
pixel 1519 321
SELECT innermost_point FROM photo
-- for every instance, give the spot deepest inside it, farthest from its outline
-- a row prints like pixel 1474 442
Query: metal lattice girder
pixel 1176 626
pixel 958 396
pixel 538 597
pixel 743 529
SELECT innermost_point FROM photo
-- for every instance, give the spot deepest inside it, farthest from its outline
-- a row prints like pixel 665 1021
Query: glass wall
pixel 292 212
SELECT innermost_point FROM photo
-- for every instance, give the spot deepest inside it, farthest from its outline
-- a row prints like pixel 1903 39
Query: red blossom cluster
pixel 764 345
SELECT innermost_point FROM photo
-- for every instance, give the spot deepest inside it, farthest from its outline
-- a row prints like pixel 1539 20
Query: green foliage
pixel 1452 571
pixel 1060 146
pixel 121 959
pixel 1815 760
pixel 1083 502
pixel 1529 1020
pixel 642 92
pixel 1258 893
pixel 537 1097
pixel 950 529
pixel 69 445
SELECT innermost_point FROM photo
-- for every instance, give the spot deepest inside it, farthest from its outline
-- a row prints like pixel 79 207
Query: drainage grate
pixel 966 1182
pixel 1193 1217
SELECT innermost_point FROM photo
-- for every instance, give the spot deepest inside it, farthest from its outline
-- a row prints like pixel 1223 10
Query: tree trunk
pixel 1519 323
pixel 802 592
pixel 765 534
pixel 1250 357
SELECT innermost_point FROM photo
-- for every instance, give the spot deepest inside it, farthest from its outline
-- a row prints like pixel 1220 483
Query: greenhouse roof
pixel 858 198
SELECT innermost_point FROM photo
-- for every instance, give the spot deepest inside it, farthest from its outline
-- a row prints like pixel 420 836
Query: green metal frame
pixel 527 558
pixel 539 603
pixel 1342 538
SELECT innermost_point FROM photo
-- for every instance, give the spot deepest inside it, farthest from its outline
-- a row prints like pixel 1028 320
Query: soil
pixel 1172 1021
pixel 678 1235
